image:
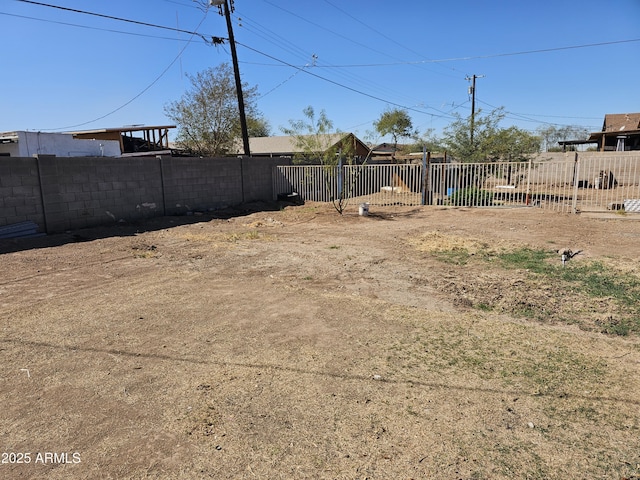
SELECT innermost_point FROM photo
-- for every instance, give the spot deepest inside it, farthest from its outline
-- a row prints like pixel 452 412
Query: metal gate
pixel 595 182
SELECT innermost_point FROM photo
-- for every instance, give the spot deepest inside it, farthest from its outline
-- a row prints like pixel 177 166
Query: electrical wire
pixel 202 36
pixel 495 55
pixel 299 69
pixel 507 54
pixel 139 94
pixel 265 33
pixel 326 29
pixel 379 32
pixel 526 117
pixel 67 24
pixel 110 17
pixel 341 85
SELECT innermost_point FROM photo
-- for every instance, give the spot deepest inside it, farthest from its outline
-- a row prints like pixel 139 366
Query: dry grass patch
pixel 529 399
pixel 220 239
pixel 533 283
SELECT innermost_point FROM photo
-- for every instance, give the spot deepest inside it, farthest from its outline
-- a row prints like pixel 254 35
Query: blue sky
pixel 71 71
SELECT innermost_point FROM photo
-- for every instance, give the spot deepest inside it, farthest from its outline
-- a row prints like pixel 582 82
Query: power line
pixel 344 86
pixel 182 4
pixel 110 17
pixel 67 24
pixel 326 29
pixel 264 32
pixel 379 32
pixel 524 117
pixel 139 94
pixel 509 54
pixel 343 73
pixel 202 36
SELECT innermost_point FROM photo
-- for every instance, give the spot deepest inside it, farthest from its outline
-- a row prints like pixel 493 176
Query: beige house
pixel 287 146
pixel 620 132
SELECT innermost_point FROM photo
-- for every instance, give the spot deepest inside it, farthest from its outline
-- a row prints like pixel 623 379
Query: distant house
pixel 385 152
pixel 136 140
pixel 105 142
pixel 27 144
pixel 620 132
pixel 287 146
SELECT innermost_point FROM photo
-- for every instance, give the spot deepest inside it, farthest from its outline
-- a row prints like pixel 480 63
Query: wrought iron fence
pixel 589 183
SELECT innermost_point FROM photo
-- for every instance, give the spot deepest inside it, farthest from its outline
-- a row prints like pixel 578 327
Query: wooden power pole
pixel 472 91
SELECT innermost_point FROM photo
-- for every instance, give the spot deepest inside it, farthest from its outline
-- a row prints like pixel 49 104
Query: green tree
pixel 319 142
pixel 491 143
pixel 257 127
pixel 397 123
pixel 207 114
pixel 550 135
pixel 426 140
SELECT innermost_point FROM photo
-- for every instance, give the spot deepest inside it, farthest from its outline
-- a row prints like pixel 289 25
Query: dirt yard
pixel 296 343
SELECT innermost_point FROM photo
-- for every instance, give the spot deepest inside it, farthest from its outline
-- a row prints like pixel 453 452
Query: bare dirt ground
pixel 297 343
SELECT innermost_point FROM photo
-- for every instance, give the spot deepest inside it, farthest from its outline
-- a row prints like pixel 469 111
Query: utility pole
pixel 472 92
pixel 226 11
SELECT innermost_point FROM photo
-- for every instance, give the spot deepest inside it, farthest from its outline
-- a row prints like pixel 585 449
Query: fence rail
pixel 592 183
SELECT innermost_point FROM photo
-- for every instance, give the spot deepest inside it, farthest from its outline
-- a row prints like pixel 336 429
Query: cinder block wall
pixel 60 193
pixel 84 192
pixel 257 177
pixel 20 195
pixel 201 183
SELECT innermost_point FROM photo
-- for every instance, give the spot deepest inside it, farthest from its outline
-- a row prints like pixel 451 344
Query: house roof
pixel 286 145
pixel 130 128
pixel 386 148
pixel 617 123
pixel 282 145
pixel 621 122
pixel 8 137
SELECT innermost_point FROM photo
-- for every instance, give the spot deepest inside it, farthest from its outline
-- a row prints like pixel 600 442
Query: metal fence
pixel 590 183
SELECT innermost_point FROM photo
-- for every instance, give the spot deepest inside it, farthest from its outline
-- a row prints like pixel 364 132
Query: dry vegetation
pixel 413 343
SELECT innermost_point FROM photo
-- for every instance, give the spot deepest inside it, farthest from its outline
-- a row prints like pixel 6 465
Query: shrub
pixel 471 197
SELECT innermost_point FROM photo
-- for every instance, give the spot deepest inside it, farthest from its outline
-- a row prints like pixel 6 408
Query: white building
pixel 27 144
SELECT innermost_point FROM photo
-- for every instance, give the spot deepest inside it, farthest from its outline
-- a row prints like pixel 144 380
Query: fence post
pixel 528 194
pixel 444 172
pixel 162 185
pixel 43 203
pixel 576 172
pixel 426 163
pixel 340 177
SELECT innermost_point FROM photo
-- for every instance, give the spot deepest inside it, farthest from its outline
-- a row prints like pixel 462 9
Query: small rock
pixel 530 425
pixel 377 377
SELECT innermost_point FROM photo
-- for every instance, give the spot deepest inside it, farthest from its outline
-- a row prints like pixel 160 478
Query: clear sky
pixel 555 62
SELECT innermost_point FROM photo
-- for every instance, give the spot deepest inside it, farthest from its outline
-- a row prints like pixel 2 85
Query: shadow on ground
pixel 132 228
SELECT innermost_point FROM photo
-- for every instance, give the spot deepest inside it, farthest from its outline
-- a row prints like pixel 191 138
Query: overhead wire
pixel 141 92
pixel 147 24
pixel 67 24
pixel 324 66
pixel 377 31
pixel 175 2
pixel 250 25
pixel 368 47
pixel 527 117
pixel 495 55
pixel 110 17
pixel 346 76
pixel 337 83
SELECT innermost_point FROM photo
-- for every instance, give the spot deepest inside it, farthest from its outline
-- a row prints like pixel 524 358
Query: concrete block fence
pixel 65 193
